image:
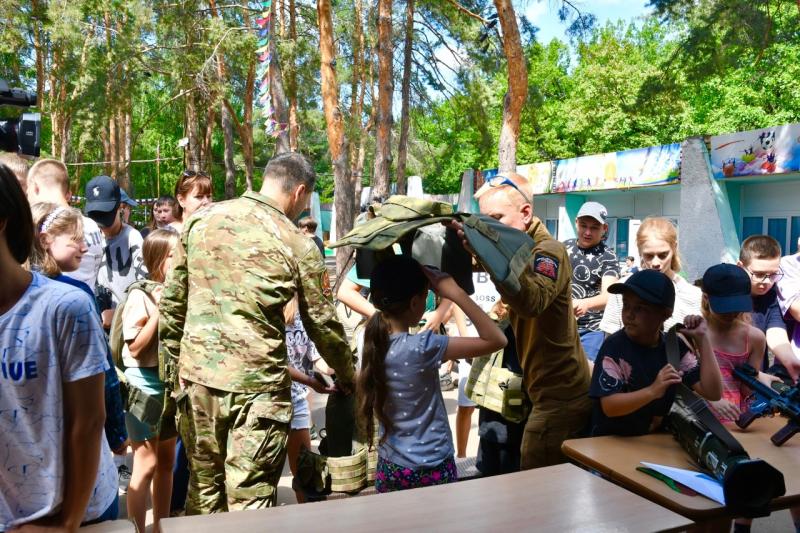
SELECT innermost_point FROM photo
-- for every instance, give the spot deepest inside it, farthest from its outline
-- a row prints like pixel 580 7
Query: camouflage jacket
pixel 237 265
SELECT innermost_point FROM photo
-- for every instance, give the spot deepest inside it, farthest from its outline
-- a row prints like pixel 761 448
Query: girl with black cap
pixel 399 380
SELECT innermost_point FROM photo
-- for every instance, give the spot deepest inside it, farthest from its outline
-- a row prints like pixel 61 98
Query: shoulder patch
pixel 325 283
pixel 546 266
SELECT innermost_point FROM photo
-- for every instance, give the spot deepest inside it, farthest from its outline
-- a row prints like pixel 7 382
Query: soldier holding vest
pixel 237 265
pixel 556 371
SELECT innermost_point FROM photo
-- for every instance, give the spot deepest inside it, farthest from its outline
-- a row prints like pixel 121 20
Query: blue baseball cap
pixel 651 286
pixel 125 199
pixel 728 289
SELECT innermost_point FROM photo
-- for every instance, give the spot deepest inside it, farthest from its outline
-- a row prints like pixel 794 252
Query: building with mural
pixel 738 184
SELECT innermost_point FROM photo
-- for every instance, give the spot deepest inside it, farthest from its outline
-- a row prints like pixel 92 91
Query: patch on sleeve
pixel 325 283
pixel 546 266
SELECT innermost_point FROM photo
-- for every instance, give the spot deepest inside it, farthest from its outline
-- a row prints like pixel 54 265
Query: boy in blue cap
pixel 633 386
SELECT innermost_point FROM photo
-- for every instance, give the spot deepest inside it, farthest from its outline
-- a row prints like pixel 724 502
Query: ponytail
pixel 371 383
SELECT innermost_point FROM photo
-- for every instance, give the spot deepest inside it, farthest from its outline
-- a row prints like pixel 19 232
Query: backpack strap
pixel 694 402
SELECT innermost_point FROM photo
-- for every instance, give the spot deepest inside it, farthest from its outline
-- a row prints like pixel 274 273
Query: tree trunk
pixel 344 200
pixel 39 46
pixel 383 136
pixel 207 157
pixel 193 134
pixel 517 86
pixel 278 96
pixel 291 82
pixel 230 167
pixel 402 146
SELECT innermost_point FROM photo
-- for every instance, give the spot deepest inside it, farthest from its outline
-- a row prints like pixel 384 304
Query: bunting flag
pixel 264 98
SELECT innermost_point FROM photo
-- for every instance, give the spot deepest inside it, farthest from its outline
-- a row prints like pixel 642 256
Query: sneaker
pixel 124 478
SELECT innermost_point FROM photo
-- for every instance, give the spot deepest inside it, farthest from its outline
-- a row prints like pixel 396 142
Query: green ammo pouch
pixel 496 388
pixel 313 476
pixel 348 473
pixel 144 407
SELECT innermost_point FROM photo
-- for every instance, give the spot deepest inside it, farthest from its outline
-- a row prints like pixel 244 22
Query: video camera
pixel 20 135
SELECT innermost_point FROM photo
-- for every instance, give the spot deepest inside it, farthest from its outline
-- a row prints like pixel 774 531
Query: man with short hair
pixel 123 262
pixel 48 181
pixel 309 228
pixel 222 335
pixel 18 165
pixel 555 368
pixel 594 269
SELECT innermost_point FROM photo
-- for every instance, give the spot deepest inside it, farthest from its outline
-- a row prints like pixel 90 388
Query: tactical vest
pixel 415 224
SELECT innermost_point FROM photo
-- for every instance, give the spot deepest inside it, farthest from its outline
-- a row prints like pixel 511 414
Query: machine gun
pixel 780 398
pixel 749 485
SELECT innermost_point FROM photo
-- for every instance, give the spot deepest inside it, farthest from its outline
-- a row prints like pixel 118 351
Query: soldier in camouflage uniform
pixel 222 333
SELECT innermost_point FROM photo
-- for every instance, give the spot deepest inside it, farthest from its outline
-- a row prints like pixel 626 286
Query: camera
pixel 22 134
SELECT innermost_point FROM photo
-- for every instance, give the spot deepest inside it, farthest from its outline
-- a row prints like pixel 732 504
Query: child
pixel 632 383
pixel 57 467
pixel 153 446
pixel 399 384
pixel 726 300
pixel 302 355
pixel 760 257
pixel 58 247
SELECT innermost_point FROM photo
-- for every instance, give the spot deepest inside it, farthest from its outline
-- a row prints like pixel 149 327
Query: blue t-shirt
pixel 624 366
pixel 421 435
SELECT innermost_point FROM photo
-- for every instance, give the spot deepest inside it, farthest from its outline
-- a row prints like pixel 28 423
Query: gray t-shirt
pixel 421 435
pixel 123 263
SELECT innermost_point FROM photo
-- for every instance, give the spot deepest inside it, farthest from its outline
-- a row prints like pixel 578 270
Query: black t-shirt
pixel 589 267
pixel 624 366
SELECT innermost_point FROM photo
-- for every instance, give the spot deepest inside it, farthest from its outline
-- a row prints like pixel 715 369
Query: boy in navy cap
pixel 123 262
pixel 632 384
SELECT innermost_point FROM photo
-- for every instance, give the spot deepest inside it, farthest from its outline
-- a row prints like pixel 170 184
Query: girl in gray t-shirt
pixel 399 379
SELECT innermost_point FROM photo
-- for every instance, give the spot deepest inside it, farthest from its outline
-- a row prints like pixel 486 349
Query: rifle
pixel 779 398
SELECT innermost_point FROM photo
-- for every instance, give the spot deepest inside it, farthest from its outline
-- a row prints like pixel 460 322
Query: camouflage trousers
pixel 236 447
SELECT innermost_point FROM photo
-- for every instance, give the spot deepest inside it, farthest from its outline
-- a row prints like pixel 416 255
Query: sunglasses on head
pixel 502 181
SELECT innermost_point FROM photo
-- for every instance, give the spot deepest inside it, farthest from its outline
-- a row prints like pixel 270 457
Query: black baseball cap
pixel 651 286
pixel 103 197
pixel 728 289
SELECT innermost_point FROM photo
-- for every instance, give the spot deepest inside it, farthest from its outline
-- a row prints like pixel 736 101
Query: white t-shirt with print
pixel 687 302
pixel 93 258
pixel 301 353
pixel 123 262
pixel 51 336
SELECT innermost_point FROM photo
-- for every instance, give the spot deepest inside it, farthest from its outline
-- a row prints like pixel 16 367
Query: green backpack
pixel 503 251
pixel 115 338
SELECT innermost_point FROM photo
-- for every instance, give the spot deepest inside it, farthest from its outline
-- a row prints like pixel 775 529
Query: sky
pixel 544 14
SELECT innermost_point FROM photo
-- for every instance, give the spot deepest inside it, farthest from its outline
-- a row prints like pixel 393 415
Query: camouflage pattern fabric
pixel 237 264
pixel 236 446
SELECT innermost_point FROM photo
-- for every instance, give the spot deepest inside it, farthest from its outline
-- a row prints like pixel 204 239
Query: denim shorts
pixel 301 414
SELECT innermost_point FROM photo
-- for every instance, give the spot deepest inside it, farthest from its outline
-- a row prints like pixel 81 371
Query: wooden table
pixel 558 498
pixel 618 457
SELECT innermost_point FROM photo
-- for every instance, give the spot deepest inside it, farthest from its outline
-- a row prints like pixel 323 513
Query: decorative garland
pixel 272 126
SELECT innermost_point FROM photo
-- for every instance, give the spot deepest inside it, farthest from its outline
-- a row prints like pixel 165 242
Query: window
pixel 752 226
pixel 795 235
pixel 552 227
pixel 623 227
pixel 776 228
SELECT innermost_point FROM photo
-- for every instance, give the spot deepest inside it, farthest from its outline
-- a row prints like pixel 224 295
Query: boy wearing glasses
pixel 760 257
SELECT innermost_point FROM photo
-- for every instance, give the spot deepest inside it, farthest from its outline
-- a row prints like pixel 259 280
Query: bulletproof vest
pixel 415 224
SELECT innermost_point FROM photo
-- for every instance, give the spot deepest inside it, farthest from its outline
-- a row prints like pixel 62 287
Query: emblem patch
pixel 546 266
